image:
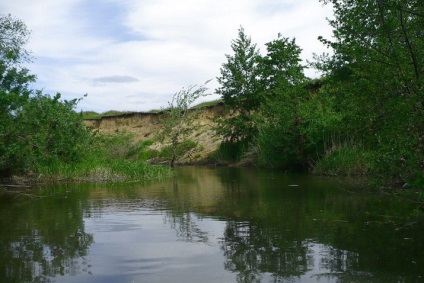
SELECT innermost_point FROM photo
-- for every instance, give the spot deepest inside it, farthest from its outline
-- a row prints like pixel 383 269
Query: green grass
pixel 207 103
pixel 92 115
pixel 96 116
pixel 344 159
pixel 110 158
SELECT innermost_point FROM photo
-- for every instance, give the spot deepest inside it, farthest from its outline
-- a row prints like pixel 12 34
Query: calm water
pixel 210 225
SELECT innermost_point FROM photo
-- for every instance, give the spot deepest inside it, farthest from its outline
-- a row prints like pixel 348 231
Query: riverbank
pixel 144 126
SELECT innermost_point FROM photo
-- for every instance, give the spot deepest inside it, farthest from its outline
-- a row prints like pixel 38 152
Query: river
pixel 210 225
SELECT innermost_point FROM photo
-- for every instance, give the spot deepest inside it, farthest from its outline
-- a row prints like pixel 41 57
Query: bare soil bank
pixel 145 126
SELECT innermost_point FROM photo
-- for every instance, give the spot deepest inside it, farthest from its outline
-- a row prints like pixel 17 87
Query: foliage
pixel 95 116
pixel 281 68
pixel 370 99
pixel 13 37
pixel 91 115
pixel 178 122
pixel 280 139
pixel 347 158
pixel 114 113
pixel 229 152
pixel 14 84
pixel 185 148
pixel 207 104
pixel 264 95
pixel 239 89
pixel 45 137
pixel 109 158
pixel 48 131
pixel 118 157
pixel 377 73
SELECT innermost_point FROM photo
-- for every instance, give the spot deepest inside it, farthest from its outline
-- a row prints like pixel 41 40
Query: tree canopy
pixel 35 129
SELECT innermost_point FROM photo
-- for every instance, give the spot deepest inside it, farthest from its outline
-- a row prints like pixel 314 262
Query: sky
pixel 134 55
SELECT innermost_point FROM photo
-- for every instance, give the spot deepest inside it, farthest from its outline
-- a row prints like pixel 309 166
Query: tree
pixel 14 83
pixel 178 122
pixel 283 92
pixel 281 67
pixel 14 80
pixel 35 129
pixel 239 89
pixel 13 37
pixel 377 73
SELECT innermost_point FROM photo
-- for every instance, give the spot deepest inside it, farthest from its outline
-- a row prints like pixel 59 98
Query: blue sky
pixel 135 54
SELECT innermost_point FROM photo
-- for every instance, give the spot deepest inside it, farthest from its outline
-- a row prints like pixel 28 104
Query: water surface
pixel 210 225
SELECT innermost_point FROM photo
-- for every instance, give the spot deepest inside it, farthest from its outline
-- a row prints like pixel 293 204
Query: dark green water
pixel 210 225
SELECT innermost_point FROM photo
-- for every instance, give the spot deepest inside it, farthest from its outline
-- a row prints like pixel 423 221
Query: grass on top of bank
pixel 92 115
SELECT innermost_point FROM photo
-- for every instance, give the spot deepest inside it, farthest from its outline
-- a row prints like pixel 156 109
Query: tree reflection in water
pixel 250 252
pixel 185 224
pixel 241 223
pixel 253 251
pixel 42 238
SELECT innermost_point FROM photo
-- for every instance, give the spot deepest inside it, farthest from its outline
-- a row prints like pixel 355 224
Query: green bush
pixel 183 149
pixel 346 159
pixel 229 152
pixel 47 131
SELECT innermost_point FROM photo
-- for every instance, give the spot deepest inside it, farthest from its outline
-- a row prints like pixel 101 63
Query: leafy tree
pixel 13 37
pixel 377 73
pixel 14 82
pixel 239 89
pixel 281 67
pixel 280 140
pixel 35 129
pixel 178 123
pixel 263 95
pixel 50 132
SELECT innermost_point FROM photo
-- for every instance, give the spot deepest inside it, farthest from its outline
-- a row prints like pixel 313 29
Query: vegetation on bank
pixel 178 123
pixel 108 158
pixel 92 115
pixel 42 137
pixel 365 115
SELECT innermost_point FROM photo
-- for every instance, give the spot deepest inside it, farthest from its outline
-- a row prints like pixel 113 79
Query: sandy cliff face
pixel 145 126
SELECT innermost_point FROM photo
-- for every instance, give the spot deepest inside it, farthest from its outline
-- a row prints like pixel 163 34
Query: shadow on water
pixel 211 225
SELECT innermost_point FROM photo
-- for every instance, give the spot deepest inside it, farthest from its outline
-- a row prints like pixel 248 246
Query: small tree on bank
pixel 178 122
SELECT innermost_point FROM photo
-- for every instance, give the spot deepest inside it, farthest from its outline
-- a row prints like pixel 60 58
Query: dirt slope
pixel 144 126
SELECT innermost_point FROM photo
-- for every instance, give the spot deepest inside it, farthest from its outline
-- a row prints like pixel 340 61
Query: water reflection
pixel 210 225
pixel 42 237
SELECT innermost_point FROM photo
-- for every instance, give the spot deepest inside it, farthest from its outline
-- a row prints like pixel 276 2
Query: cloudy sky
pixel 135 54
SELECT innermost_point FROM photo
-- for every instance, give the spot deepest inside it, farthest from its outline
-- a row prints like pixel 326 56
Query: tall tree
pixel 281 67
pixel 14 82
pixel 14 35
pixel 239 89
pixel 282 82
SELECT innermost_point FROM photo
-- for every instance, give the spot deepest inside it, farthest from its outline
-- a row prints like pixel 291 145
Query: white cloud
pixel 163 44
